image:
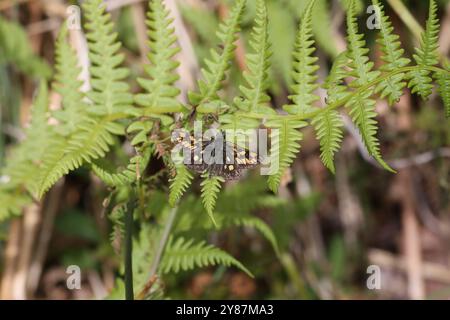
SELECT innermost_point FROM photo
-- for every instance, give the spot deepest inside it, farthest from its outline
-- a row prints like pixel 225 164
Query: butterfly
pixel 229 162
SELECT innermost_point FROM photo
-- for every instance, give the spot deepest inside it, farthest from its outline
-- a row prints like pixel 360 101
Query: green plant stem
pixel 163 240
pixel 339 103
pixel 159 251
pixel 128 252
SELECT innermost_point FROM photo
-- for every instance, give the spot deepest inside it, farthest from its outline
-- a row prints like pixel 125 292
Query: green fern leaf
pixel 357 53
pixel 160 90
pixel 363 114
pixel 254 94
pixel 24 159
pixel 305 67
pixel 286 150
pixel 110 93
pixel 110 98
pixel 328 126
pixel 183 255
pixel 73 110
pixel 179 184
pixel 362 108
pixel 443 79
pixel 392 87
pixel 426 55
pixel 257 224
pixel 90 143
pixel 217 66
pixel 210 188
pixel 132 173
pixel 328 123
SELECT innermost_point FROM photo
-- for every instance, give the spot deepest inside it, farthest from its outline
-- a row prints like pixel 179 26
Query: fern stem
pixel 128 250
pixel 341 102
pixel 163 240
pixel 159 251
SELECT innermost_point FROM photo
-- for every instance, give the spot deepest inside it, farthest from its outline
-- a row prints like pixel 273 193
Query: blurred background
pixel 330 228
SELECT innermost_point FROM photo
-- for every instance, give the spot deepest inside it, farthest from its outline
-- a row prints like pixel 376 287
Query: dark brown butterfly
pixel 201 157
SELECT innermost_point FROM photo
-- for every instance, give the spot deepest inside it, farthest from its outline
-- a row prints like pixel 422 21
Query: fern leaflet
pixel 305 67
pixel 217 66
pixel 392 87
pixel 426 55
pixel 210 188
pixel 362 107
pixel 254 94
pixel 286 149
pixel 186 255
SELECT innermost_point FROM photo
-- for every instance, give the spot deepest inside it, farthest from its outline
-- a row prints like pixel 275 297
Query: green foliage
pixel 74 109
pixel 210 189
pixel 392 87
pixel 110 102
pixel 133 171
pixel 110 93
pixel 328 124
pixel 89 123
pixel 362 107
pixel 217 66
pixel 235 207
pixel 304 66
pixel 179 184
pixel 15 49
pixel 254 94
pixel 426 55
pixel 443 79
pixel 161 94
pixel 25 158
pixel 182 254
pixel 289 138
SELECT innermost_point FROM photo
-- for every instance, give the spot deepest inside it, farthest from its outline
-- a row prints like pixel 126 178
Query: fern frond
pixel 68 86
pixel 132 173
pixel 90 143
pixel 362 111
pixel 305 67
pixel 286 150
pixel 210 188
pixel 179 184
pixel 328 123
pixel 22 164
pixel 357 53
pixel 257 224
pixel 328 126
pixel 182 255
pixel 443 80
pixel 362 108
pixel 254 94
pixel 110 97
pixel 334 83
pixel 110 93
pixel 160 90
pixel 218 65
pixel 426 55
pixel 392 87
